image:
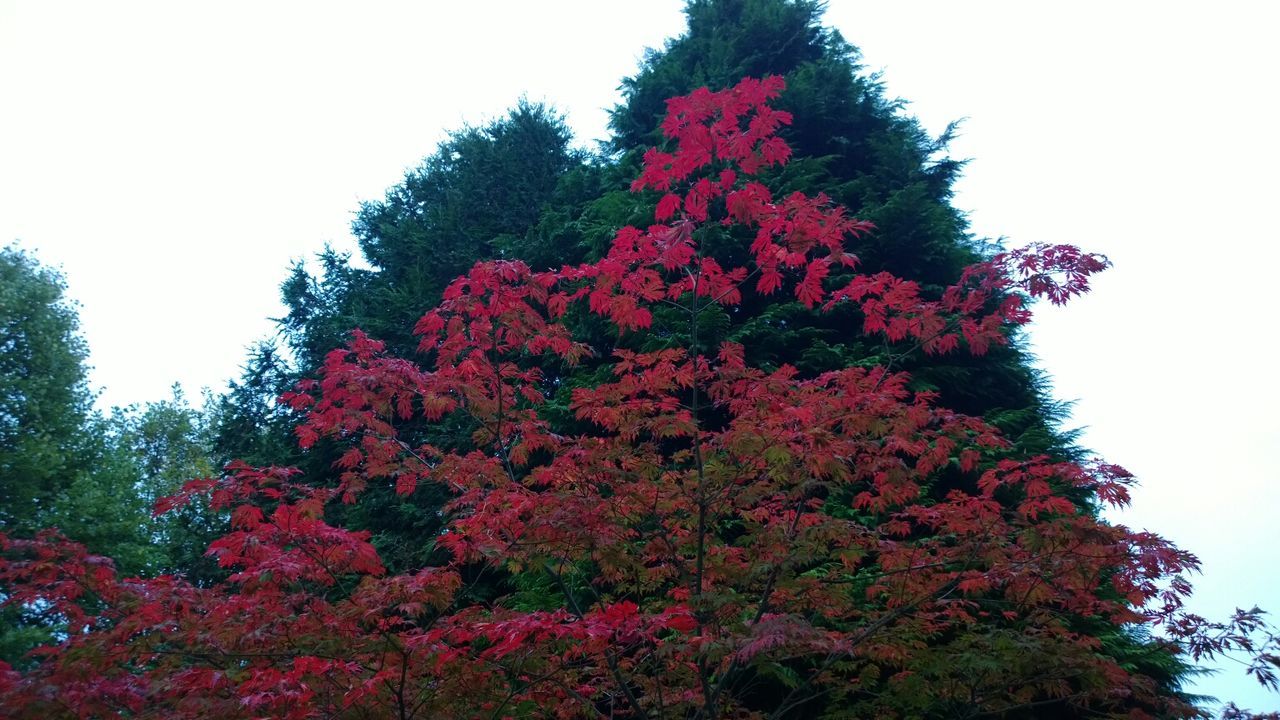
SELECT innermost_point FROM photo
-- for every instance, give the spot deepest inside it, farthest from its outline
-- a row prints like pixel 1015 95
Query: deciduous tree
pixel 44 395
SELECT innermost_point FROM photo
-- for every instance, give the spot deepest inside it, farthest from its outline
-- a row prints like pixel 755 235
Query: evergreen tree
pixel 509 187
pixel 528 195
pixel 852 141
pixel 725 542
pixel 246 423
pixel 856 143
pixel 483 193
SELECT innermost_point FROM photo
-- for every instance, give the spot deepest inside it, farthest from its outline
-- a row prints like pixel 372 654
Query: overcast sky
pixel 174 158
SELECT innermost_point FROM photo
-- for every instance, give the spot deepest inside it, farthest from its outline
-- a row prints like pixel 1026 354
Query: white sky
pixel 173 158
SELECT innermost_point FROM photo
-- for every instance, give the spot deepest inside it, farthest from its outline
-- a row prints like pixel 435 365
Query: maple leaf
pixel 667 207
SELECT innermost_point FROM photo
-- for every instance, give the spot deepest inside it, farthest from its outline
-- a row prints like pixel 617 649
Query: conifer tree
pixel 849 139
pixel 478 196
pixel 855 143
pixel 511 187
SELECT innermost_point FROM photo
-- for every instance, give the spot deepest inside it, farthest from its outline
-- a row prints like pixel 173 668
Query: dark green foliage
pixel 322 311
pixel 726 42
pixel 246 422
pixel 514 188
pixel 849 142
pixel 481 185
pixel 856 145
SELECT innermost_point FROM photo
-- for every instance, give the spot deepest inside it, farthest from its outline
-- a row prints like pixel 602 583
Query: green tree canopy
pixel 44 394
pixel 65 465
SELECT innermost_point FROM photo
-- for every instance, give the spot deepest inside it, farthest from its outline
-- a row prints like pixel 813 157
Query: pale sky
pixel 173 158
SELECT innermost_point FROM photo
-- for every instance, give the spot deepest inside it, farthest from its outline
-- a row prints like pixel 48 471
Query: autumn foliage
pixel 708 539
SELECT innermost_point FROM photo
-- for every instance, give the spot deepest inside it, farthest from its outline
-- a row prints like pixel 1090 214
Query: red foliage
pixel 721 529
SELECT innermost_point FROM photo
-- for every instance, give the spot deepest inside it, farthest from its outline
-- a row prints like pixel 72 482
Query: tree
pixel 855 143
pixel 559 208
pixel 44 404
pixel 849 140
pixel 501 188
pixel 44 396
pixel 858 146
pixel 167 443
pixel 63 464
pixel 723 541
pixel 476 197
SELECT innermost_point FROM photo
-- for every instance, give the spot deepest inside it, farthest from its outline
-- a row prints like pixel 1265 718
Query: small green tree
pixel 167 443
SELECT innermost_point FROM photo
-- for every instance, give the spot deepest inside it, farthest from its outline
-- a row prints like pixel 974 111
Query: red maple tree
pixel 722 542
